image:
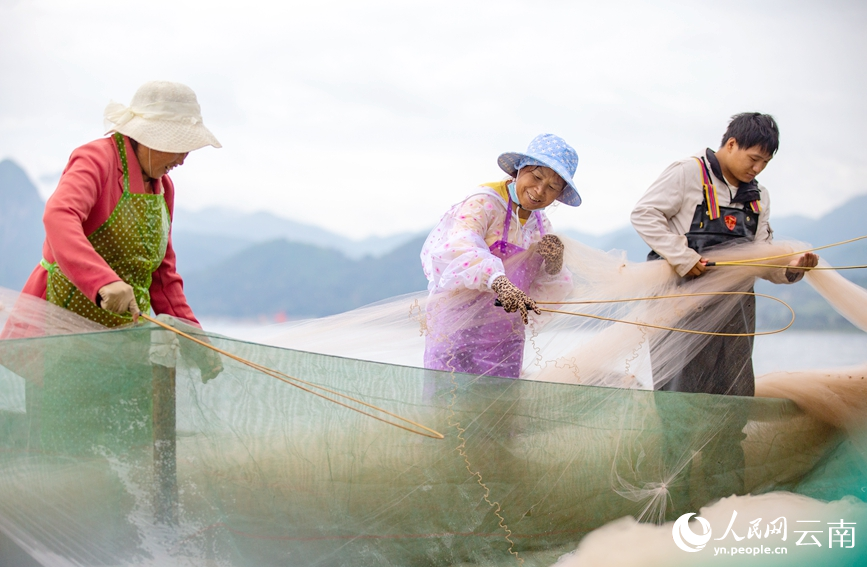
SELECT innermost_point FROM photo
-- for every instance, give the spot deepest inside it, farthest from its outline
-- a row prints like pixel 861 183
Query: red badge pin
pixel 731 222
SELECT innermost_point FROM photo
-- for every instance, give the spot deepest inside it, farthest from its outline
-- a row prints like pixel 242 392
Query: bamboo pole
pixel 165 446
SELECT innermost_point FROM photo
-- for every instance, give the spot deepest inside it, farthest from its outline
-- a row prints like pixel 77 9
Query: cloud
pixel 372 118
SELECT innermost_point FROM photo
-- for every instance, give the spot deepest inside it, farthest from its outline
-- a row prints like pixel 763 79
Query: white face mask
pixel 513 189
pixel 513 193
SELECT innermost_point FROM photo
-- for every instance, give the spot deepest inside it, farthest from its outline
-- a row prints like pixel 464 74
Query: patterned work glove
pixel 551 249
pixel 512 298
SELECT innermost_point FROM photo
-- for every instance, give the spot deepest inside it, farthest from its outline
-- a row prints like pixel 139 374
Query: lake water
pixel 801 350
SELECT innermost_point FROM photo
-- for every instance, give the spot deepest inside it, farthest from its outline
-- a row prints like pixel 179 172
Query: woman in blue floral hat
pixel 491 255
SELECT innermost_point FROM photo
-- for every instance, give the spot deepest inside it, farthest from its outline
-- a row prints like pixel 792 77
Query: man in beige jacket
pixel 679 219
pixel 706 200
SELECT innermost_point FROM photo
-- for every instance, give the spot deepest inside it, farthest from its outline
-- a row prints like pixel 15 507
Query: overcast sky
pixel 373 117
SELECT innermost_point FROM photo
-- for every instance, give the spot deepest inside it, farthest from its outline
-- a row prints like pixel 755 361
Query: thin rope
pixel 662 327
pixel 652 297
pixel 806 268
pixel 292 382
pixel 475 472
pixel 741 262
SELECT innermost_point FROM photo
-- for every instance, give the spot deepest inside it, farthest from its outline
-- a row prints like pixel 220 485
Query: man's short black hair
pixel 753 129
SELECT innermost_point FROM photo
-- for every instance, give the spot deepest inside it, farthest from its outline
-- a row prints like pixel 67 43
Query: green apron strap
pixel 121 148
pixel 48 267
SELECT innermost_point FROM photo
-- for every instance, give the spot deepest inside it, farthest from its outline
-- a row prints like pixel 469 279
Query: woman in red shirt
pixel 107 254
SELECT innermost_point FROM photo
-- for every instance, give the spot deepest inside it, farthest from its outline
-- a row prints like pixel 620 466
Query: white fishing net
pixel 582 349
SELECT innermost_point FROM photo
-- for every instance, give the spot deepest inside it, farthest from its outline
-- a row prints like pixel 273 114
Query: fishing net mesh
pixel 114 452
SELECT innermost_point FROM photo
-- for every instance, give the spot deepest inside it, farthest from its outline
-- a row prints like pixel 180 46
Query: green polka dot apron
pixel 132 241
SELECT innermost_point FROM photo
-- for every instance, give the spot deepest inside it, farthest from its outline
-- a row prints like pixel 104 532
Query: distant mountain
pixel 226 225
pixel 21 232
pixel 196 252
pixel 840 224
pixel 200 238
pixel 299 280
pixel 625 239
pixel 812 311
pixel 257 264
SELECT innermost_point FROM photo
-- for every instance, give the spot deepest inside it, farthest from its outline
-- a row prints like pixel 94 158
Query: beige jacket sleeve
pixel 765 234
pixel 663 214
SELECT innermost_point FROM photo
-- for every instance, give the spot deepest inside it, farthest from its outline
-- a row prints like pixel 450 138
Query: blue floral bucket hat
pixel 550 151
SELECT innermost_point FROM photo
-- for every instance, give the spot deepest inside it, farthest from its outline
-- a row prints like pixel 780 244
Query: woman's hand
pixel 118 297
pixel 551 249
pixel 513 299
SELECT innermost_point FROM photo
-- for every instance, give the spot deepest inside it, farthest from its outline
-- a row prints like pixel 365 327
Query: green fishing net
pixel 248 470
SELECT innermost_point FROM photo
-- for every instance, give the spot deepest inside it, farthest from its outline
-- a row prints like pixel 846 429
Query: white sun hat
pixel 163 116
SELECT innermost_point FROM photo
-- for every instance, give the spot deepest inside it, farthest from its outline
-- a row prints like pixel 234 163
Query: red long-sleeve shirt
pixel 88 192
